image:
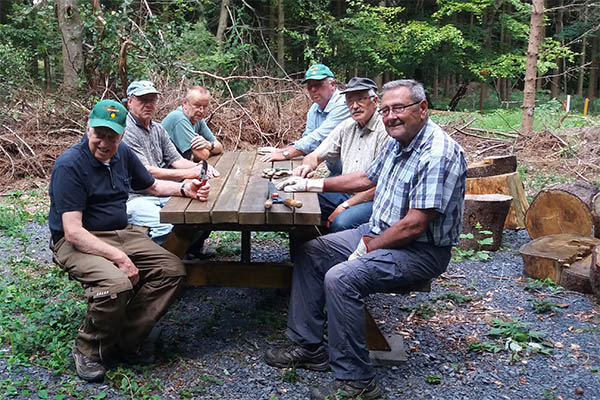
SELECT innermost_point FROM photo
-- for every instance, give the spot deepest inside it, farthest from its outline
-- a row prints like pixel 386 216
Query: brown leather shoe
pixel 298 357
pixel 342 389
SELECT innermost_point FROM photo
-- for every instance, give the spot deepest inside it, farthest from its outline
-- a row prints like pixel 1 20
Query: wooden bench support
pixel 389 349
pixel 260 275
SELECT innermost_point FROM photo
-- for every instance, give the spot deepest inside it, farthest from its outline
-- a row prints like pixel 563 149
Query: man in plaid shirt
pixel 417 216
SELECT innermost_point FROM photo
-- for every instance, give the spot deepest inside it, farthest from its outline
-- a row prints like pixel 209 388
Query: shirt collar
pixel 332 102
pixel 138 123
pixel 373 122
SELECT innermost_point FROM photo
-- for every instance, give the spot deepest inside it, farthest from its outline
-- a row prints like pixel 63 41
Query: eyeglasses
pixel 396 109
pixel 361 100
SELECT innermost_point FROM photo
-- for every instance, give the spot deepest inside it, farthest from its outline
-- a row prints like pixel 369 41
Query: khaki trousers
pixel 119 315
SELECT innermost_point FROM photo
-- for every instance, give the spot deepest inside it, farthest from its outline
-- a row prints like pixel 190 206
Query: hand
pixel 212 172
pixel 195 190
pixel 273 156
pixel 338 210
pixel 125 264
pixel 362 247
pixel 304 171
pixel 199 143
pixel 297 184
pixel 261 151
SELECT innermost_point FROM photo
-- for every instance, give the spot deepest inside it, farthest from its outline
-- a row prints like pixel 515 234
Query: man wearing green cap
pixel 328 110
pixel 129 280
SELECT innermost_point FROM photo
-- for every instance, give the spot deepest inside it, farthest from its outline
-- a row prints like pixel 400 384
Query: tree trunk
pixel 593 78
pixel 489 212
pixel 223 19
pixel 582 67
pixel 564 208
pixel 436 82
pixel 280 36
pixel 47 71
pixel 537 19
pixel 71 29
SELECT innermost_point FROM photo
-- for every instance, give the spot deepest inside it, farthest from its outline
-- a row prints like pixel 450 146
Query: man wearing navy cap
pixel 355 142
pixel 129 280
pixel 327 111
pixel 152 144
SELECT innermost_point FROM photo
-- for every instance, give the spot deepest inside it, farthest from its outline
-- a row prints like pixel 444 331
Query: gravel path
pixel 212 341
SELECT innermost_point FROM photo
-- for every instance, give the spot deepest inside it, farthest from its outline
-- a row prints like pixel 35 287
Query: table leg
pixel 246 246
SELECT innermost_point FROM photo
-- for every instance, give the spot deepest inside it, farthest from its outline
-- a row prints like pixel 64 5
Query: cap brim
pixel 316 78
pixel 143 92
pixel 95 123
pixel 357 89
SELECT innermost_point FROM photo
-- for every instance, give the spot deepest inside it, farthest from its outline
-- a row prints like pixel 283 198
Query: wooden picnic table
pixel 236 203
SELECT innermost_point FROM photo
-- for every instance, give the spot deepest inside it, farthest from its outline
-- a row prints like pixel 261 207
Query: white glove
pixel 362 247
pixel 297 184
pixel 266 150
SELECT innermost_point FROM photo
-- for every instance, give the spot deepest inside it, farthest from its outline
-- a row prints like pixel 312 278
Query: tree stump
pixel 547 256
pixel 563 208
pixel 509 184
pixel 489 211
pixel 577 276
pixel 490 166
pixel 595 271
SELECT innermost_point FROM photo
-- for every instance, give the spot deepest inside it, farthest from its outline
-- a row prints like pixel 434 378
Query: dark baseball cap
pixel 357 84
pixel 317 72
pixel 110 114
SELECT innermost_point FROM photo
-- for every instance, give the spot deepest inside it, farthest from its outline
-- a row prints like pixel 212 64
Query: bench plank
pixel 198 212
pixel 235 274
pixel 227 207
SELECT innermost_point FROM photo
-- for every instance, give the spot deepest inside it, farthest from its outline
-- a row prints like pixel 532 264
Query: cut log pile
pixel 564 225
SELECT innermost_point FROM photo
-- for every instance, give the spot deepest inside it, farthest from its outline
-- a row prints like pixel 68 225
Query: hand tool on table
pixel 273 198
pixel 203 177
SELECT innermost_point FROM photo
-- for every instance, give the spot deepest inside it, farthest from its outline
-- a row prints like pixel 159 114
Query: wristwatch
pixel 345 205
pixel 286 154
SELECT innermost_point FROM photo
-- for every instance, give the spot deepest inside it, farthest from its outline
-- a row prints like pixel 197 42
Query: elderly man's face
pixel 195 106
pixel 103 142
pixel 320 91
pixel 143 107
pixel 402 123
pixel 361 106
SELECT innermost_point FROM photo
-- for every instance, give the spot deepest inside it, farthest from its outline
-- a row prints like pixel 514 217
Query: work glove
pixel 362 247
pixel 266 150
pixel 297 184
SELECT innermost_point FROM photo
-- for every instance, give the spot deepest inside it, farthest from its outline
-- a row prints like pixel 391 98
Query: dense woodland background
pixel 58 57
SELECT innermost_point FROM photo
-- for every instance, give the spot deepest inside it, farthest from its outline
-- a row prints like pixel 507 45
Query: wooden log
pixel 509 184
pixel 489 212
pixel 577 276
pixel 595 271
pixel 563 208
pixel 547 256
pixel 490 166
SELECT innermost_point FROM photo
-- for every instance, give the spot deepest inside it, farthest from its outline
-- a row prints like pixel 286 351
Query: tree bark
pixel 280 36
pixel 593 78
pixel 223 19
pixel 537 19
pixel 488 211
pixel 71 29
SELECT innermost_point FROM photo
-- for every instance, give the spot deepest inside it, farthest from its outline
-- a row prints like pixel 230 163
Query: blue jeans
pixel 328 287
pixel 350 218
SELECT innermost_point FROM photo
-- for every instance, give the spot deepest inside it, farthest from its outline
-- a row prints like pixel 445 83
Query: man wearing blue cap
pixel 355 142
pixel 327 111
pixel 152 144
pixel 129 280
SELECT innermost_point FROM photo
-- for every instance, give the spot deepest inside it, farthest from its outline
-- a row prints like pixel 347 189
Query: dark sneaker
pixel 339 389
pixel 87 369
pixel 203 253
pixel 298 357
pixel 138 357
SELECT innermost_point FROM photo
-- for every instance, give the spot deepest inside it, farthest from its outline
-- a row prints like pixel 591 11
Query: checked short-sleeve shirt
pixel 430 173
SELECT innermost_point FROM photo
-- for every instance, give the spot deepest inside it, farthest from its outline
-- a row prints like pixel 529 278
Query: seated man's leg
pixel 329 202
pixel 306 317
pixel 352 217
pixel 145 211
pixel 161 277
pixel 108 291
pixel 335 168
pixel 348 283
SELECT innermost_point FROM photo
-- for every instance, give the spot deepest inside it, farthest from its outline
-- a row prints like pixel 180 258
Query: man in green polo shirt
pixel 187 128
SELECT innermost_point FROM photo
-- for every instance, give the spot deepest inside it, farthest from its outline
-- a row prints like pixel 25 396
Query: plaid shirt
pixel 430 173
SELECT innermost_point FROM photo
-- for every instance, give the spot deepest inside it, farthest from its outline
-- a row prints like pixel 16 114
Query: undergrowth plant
pixel 536 285
pixel 477 254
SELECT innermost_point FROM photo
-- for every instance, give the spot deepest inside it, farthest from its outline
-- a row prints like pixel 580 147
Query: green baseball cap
pixel 317 72
pixel 109 113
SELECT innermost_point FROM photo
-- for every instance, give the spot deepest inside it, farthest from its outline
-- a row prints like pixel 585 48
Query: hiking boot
pixel 87 369
pixel 193 256
pixel 341 389
pixel 138 357
pixel 296 356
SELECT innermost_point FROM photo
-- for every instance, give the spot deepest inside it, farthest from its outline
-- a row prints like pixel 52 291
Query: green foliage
pixel 433 379
pixel 543 306
pixel 536 285
pixel 423 309
pixel 132 386
pixel 40 311
pixel 455 297
pixel 290 375
pixel 459 255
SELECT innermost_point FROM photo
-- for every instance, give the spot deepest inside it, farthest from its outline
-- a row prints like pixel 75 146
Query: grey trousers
pixel 327 286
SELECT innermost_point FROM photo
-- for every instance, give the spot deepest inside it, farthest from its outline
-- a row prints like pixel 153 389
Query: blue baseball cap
pixel 140 88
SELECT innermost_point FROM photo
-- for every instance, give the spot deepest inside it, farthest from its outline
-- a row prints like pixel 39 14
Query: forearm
pixel 200 154
pixel 218 149
pixel 312 160
pixel 362 197
pixel 171 174
pixel 348 183
pixel 403 232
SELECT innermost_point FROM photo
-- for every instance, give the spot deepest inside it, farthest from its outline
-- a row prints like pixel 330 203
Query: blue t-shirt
pixel 181 131
pixel 80 182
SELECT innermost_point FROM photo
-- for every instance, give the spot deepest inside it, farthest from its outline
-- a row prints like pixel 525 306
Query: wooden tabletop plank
pixel 252 210
pixel 311 211
pixel 198 212
pixel 174 211
pixel 227 207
